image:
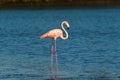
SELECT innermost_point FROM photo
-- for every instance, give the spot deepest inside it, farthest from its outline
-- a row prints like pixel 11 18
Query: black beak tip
pixel 67 28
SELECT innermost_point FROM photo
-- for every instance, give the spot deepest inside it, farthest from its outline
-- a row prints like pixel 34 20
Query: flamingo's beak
pixel 68 28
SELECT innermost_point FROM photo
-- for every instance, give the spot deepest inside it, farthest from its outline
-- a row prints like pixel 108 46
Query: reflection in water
pixel 54 77
pixel 54 74
pixel 101 76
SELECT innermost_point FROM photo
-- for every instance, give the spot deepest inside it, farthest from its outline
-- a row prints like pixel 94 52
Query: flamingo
pixel 54 34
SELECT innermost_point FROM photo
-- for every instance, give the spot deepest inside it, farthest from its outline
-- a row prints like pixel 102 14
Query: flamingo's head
pixel 67 24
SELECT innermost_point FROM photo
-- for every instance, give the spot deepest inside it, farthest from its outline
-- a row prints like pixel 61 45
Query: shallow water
pixel 90 53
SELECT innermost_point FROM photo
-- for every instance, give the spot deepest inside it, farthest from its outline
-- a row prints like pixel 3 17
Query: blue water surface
pixel 92 51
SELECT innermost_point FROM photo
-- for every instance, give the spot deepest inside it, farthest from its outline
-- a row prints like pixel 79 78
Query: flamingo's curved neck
pixel 62 37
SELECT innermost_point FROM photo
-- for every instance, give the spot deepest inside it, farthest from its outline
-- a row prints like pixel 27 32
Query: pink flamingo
pixel 54 34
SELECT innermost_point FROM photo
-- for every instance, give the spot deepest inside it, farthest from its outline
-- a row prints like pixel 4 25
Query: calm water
pixel 92 51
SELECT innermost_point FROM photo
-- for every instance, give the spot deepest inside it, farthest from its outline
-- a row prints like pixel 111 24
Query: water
pixel 92 51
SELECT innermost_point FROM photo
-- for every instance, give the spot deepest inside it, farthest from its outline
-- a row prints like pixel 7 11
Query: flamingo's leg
pixel 51 59
pixel 51 67
pixel 55 52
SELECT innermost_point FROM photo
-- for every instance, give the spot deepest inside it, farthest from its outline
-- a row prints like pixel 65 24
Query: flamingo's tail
pixel 43 36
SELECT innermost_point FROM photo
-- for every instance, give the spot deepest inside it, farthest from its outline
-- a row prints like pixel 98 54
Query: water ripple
pixel 19 76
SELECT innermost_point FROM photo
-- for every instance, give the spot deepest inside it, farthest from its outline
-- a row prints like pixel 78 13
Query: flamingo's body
pixel 54 34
